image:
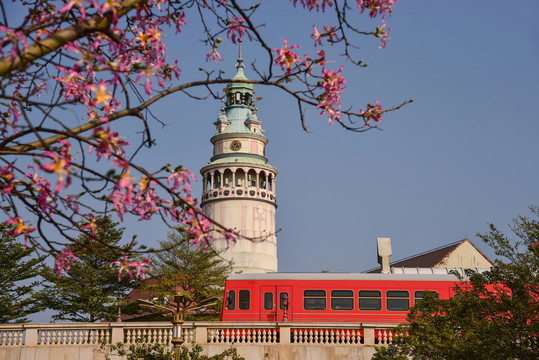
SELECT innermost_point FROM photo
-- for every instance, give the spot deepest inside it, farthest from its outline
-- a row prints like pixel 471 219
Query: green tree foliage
pixel 89 291
pixel 17 267
pixel 197 273
pixel 496 316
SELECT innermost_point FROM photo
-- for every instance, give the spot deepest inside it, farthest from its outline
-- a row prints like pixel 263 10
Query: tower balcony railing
pixel 248 192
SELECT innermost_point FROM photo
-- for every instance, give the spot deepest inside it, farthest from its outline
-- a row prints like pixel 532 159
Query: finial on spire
pixel 240 60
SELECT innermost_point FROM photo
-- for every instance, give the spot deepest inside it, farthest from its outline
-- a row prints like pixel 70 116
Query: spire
pixel 240 60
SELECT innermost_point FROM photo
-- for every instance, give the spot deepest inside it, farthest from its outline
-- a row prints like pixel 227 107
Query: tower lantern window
pixel 238 98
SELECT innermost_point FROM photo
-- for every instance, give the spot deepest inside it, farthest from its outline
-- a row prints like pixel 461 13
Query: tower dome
pixel 239 184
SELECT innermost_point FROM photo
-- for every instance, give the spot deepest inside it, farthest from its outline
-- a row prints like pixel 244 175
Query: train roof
pixel 402 274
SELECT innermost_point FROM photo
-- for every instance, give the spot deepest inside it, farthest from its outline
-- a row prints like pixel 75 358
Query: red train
pixel 330 297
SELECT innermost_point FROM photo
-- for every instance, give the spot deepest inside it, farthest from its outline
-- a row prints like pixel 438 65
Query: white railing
pixel 11 335
pixel 76 334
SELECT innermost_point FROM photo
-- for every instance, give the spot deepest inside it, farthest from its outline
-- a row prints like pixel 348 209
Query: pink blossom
pixel 180 180
pixel 6 175
pixel 329 33
pixel 20 228
pixel 134 269
pixel 59 166
pixel 92 225
pixel 383 35
pixel 235 29
pixel 374 112
pixel 314 4
pixel 286 57
pixel 376 7
pixel 213 55
pixel 64 260
pixel 108 143
pixel 330 99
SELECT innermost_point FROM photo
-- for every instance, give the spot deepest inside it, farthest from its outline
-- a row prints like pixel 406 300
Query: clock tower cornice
pixel 224 136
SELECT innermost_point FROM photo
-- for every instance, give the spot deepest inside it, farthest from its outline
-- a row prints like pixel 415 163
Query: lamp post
pixel 177 327
pixel 119 318
pixel 284 301
pixel 177 310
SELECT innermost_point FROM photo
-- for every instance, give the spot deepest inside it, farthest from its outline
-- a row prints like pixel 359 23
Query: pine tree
pixel 197 272
pixel 89 291
pixel 18 268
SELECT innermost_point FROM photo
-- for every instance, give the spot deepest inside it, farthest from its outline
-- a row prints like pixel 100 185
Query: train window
pixel 314 299
pixel 370 300
pixel 397 300
pixel 231 300
pixel 244 300
pixel 418 295
pixel 268 301
pixel 342 300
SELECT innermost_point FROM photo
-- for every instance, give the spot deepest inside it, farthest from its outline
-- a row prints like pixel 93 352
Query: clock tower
pixel 239 184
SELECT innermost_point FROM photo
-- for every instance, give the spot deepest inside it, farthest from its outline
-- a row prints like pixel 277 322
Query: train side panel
pixel 366 301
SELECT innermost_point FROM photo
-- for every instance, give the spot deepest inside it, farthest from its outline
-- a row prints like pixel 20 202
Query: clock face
pixel 235 145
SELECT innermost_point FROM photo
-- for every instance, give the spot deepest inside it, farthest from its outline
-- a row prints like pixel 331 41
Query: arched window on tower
pixel 270 182
pixel 238 98
pixel 240 178
pixel 227 178
pixel 251 178
pixel 262 176
pixel 208 181
pixel 217 179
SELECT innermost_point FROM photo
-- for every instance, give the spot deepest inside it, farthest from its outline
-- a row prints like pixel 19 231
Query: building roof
pixel 430 258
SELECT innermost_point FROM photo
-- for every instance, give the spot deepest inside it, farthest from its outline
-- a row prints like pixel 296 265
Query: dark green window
pixel 342 300
pixel 370 300
pixel 314 299
pixel 268 301
pixel 231 300
pixel 244 300
pixel 397 300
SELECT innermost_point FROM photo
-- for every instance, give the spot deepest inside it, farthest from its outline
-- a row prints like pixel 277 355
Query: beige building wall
pixel 465 256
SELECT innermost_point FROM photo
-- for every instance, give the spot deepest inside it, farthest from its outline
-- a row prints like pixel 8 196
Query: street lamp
pixel 175 307
pixel 119 318
pixel 284 301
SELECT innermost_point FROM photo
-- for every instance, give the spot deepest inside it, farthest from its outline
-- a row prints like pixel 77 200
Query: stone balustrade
pixel 251 338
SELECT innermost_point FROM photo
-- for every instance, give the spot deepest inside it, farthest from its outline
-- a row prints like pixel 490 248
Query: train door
pixel 276 303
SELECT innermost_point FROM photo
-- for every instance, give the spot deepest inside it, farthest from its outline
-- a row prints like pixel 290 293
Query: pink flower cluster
pixel 329 33
pixel 314 4
pixel 373 112
pixel 286 57
pixel 64 260
pixel 376 7
pixel 135 269
pixel 235 28
pixel 330 99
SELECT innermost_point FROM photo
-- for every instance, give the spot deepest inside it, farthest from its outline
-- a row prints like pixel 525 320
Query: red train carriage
pixel 329 297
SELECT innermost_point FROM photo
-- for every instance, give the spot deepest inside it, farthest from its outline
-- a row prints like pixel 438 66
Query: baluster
pixel 390 337
pixel 10 338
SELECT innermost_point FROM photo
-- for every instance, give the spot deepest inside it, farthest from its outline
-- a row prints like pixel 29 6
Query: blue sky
pixel 464 154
